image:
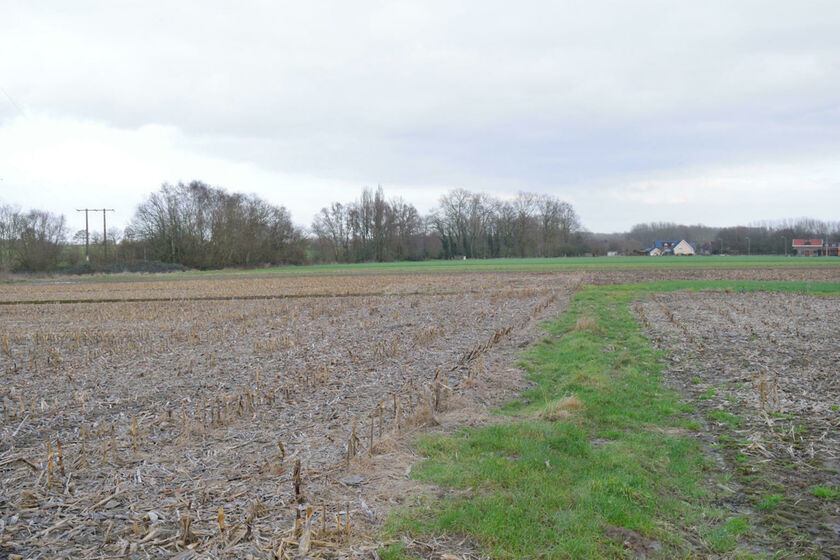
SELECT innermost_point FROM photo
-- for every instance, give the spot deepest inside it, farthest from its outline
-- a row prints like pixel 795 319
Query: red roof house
pixel 816 247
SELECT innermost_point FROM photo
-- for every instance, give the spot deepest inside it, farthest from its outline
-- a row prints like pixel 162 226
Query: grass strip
pixel 487 265
pixel 594 458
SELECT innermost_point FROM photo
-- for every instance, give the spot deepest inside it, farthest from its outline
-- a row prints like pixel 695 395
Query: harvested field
pixel 761 371
pixel 187 418
pixel 165 288
pixel 229 285
pixel 607 277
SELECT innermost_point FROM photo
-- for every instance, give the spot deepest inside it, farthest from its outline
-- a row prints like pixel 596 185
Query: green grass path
pixel 557 478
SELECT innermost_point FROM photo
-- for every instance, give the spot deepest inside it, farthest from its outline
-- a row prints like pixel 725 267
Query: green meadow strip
pixel 595 454
pixel 562 264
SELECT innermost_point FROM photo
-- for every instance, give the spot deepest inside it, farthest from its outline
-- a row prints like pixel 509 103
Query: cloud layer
pixel 706 111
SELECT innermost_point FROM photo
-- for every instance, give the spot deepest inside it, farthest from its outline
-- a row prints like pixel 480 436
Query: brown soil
pixel 174 428
pixel 761 370
pixel 226 384
pixel 757 274
pixel 156 287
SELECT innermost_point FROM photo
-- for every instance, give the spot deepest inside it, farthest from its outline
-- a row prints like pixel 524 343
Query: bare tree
pixel 405 231
pixel 476 225
pixel 206 227
pixel 371 228
pixel 40 240
pixel 457 220
pixel 332 229
pixel 525 207
pixel 9 230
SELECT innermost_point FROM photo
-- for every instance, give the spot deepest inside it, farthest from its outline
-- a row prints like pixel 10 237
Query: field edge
pixel 555 481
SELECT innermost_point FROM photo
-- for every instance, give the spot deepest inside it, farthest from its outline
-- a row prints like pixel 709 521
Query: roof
pixel 664 245
pixel 807 242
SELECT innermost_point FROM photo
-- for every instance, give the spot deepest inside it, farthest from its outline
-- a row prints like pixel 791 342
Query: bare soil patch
pixel 243 426
pixel 763 373
pixel 606 277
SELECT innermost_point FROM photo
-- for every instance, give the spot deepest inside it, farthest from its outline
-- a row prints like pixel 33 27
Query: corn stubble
pixel 221 416
pixel 762 370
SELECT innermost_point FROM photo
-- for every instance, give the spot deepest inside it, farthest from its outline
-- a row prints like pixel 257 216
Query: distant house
pixel 681 247
pixel 684 248
pixel 816 248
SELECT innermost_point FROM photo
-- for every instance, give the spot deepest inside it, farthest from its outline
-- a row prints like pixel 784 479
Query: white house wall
pixel 683 248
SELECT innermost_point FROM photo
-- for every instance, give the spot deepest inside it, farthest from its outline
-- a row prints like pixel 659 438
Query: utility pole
pixel 104 230
pixel 105 234
pixel 748 247
pixel 87 237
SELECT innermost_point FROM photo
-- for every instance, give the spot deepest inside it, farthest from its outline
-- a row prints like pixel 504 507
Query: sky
pixel 714 112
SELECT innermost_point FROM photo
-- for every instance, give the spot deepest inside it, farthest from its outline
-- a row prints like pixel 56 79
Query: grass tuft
pixel 586 324
pixel 562 409
pixel 826 492
pixel 770 502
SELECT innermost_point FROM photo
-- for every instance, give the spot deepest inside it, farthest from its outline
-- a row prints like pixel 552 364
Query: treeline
pixel 767 238
pixel 196 225
pixel 464 224
pixel 761 238
pixel 32 240
pixel 476 225
pixel 200 226
pixel 370 229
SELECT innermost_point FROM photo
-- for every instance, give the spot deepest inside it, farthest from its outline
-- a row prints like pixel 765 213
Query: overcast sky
pixel 716 112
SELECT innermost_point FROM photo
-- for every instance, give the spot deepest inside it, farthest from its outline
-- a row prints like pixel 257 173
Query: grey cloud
pixel 484 94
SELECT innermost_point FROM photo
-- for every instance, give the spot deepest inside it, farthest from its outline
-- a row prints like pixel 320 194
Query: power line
pixel 12 101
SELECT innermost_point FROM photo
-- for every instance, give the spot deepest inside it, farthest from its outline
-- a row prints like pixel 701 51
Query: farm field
pixel 568 264
pixel 419 277
pixel 153 428
pixel 208 415
pixel 674 419
pixel 761 371
pixel 555 264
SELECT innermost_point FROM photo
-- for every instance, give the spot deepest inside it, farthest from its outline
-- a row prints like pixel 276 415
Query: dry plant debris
pixel 162 287
pixel 763 370
pixel 223 419
pixel 615 276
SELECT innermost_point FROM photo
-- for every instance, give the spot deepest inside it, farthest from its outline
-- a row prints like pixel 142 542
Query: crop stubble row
pixel 131 427
pixel 761 369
